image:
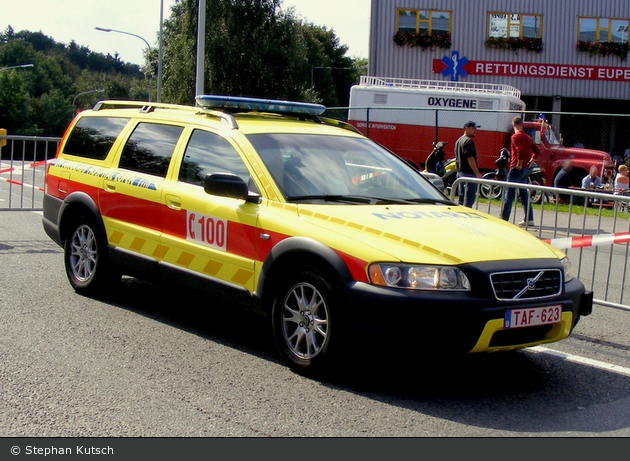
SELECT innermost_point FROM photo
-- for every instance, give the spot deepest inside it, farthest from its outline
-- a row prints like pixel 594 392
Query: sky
pixel 67 20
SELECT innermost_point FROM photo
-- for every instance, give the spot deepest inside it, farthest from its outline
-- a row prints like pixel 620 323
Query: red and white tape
pixel 20 183
pixel 589 240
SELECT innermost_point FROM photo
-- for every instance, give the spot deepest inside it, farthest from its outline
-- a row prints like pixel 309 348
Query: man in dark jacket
pixel 466 158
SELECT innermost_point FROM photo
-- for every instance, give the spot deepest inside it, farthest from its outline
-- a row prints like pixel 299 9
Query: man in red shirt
pixel 523 152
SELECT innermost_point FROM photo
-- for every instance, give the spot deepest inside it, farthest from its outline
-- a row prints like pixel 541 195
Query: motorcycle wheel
pixel 536 196
pixel 490 192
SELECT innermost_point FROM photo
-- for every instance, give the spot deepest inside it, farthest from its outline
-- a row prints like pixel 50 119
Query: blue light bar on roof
pixel 262 105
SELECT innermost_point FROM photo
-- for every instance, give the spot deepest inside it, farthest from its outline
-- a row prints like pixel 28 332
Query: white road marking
pixel 582 360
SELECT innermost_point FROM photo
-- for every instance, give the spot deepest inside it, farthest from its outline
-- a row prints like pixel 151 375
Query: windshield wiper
pixel 367 199
pixel 331 198
pixel 440 201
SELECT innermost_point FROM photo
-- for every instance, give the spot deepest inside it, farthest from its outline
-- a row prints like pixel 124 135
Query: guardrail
pixel 23 169
pixel 589 225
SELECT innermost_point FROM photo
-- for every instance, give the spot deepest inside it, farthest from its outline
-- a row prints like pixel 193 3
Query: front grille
pixel 531 284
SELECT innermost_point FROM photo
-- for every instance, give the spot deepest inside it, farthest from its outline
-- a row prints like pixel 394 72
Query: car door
pixel 131 196
pixel 211 236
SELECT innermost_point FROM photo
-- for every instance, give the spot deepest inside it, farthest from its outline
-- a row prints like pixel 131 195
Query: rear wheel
pixel 305 319
pixel 87 265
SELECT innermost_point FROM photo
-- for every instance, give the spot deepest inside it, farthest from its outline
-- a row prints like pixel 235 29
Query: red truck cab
pixel 553 154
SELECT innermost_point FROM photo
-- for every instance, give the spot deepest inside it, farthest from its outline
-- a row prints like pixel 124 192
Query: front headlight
pixel 417 277
pixel 567 269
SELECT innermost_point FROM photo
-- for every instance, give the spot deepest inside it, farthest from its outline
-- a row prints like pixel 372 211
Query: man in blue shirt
pixel 591 180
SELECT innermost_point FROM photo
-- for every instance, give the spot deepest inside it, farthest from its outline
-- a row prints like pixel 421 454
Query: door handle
pixel 109 186
pixel 173 202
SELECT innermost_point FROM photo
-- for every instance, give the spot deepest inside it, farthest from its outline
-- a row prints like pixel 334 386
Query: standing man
pixel 466 158
pixel 523 153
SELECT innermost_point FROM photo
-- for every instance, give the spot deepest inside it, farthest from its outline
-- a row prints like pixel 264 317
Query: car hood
pixel 425 233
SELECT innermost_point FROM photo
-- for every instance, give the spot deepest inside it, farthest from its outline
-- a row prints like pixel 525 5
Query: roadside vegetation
pixel 252 49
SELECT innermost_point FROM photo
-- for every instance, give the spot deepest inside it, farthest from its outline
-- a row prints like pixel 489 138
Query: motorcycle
pixel 435 163
pixel 492 192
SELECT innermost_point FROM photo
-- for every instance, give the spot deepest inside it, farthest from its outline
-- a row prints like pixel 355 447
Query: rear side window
pixel 92 137
pixel 150 147
pixel 208 153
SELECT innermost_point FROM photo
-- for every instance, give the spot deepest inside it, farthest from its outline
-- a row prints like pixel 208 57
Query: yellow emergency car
pixel 302 217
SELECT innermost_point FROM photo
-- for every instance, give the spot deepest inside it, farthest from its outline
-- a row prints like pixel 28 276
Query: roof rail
pixel 417 84
pixel 146 107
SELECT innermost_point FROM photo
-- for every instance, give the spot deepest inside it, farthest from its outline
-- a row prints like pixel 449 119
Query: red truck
pixel 407 115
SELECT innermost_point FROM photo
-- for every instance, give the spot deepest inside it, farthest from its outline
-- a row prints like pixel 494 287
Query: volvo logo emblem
pixel 530 284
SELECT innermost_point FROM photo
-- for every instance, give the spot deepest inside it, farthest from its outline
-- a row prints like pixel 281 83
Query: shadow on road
pixel 520 391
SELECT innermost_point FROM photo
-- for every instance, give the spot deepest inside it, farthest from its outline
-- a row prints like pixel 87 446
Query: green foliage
pixel 41 100
pixel 252 49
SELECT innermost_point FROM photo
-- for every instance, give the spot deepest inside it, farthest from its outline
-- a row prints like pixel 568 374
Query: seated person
pixel 592 181
pixel 622 181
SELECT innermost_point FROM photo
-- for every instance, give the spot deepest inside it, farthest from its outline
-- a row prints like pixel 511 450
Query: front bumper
pixel 459 321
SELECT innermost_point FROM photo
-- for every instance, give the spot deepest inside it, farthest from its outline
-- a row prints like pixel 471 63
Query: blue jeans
pixel 520 177
pixel 469 190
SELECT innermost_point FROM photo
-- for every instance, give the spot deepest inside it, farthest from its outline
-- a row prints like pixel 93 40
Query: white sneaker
pixel 526 223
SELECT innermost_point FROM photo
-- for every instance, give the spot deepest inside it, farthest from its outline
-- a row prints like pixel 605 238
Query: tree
pixel 13 98
pixel 254 49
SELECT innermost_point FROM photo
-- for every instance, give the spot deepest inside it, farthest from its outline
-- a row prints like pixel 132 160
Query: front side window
pixel 150 147
pixel 423 21
pixel 514 25
pixel 209 153
pixel 603 30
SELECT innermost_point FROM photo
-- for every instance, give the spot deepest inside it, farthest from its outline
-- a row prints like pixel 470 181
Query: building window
pixel 603 30
pixel 424 21
pixel 423 28
pixel 603 36
pixel 512 31
pixel 510 25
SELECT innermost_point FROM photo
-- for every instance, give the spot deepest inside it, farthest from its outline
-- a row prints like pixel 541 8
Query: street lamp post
pixel 21 66
pixel 133 35
pixel 81 94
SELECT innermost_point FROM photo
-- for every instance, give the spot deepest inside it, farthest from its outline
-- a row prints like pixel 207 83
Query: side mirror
pixel 228 185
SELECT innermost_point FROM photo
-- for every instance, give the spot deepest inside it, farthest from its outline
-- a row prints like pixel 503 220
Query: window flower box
pixel 515 44
pixel 423 40
pixel 604 48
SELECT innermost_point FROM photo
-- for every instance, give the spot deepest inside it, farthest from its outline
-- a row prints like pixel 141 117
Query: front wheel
pixel 304 318
pixel 490 192
pixel 88 269
pixel 535 196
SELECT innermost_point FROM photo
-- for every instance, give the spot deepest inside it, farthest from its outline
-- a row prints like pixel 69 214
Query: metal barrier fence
pixel 585 232
pixel 592 228
pixel 23 169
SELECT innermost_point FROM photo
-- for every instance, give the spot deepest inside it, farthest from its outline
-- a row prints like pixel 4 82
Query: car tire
pixel 88 268
pixel 306 321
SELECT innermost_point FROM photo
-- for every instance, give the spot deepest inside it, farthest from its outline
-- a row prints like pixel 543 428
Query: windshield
pixel 309 167
pixel 552 135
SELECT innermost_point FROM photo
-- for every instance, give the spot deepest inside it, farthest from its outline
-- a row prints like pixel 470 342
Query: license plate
pixel 518 318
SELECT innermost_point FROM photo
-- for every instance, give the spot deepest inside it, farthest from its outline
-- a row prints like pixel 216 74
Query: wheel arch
pixel 73 206
pixel 290 252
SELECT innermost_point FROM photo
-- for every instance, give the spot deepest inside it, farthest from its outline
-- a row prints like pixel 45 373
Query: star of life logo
pixel 454 66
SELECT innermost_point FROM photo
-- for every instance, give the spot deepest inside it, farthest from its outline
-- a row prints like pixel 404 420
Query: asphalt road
pixel 162 362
